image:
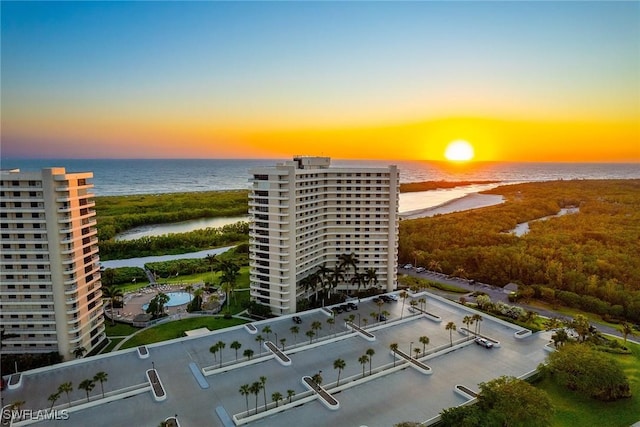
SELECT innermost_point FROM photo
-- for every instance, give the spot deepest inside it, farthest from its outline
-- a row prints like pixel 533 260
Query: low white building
pixel 306 213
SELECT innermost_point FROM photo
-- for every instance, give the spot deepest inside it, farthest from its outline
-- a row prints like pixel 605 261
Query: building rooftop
pixel 395 391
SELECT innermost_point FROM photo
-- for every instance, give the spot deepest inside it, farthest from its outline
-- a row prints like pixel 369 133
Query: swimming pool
pixel 175 298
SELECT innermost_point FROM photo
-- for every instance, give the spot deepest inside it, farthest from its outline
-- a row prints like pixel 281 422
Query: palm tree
pixel 213 262
pixel 316 326
pixel 235 346
pixel 404 296
pixel 417 352
pixel 295 330
pixel 87 386
pixel 335 277
pixel 339 364
pixel 79 352
pixel 263 385
pixel 189 289
pixel 66 388
pixel 477 319
pixel 282 341
pixel 276 397
pixel 267 330
pixel 317 378
pixel 102 378
pixel 451 327
pixel 357 280
pixel 331 321
pixel 351 318
pixel 214 349
pixel 379 303
pixel 626 329
pixel 245 390
pixel 467 320
pixel 371 276
pixel 260 339
pixel 221 345
pixel 363 361
pixel 248 353
pixel 370 352
pixel 374 315
pixel 310 334
pixel 255 389
pixel 53 398
pixel 230 272
pixel 423 303
pixel 394 348
pixel 290 394
pixel 112 293
pixel 348 261
pixel 424 340
pixel 386 315
pixel 413 303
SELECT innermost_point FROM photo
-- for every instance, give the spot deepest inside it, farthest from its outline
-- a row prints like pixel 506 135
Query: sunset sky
pixel 521 81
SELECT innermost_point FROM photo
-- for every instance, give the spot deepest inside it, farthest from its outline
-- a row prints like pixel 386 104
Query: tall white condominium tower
pixel 306 213
pixel 50 292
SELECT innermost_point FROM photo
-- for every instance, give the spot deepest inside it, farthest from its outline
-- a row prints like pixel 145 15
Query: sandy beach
pixel 470 201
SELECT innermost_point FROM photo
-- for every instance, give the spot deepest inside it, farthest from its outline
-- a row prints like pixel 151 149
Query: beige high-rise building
pixel 50 292
pixel 307 213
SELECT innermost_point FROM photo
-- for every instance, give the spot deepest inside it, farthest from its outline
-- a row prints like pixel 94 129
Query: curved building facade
pixel 306 213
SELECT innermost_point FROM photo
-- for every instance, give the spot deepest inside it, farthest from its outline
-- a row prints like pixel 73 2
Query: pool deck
pixel 390 395
pixel 134 302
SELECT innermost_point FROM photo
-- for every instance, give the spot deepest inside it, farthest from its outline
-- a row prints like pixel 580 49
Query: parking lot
pixel 401 395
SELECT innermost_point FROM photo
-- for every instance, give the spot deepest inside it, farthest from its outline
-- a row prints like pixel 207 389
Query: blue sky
pixel 78 71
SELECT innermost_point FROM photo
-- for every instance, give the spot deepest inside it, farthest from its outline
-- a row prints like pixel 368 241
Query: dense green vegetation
pixel 116 214
pixel 410 187
pixel 177 243
pixel 573 408
pixel 587 260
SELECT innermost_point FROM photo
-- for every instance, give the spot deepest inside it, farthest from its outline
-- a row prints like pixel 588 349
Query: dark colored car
pixel 296 319
pixel 352 306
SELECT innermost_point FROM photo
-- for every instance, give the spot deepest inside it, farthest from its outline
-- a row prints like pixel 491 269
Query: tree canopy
pixel 593 373
pixel 503 402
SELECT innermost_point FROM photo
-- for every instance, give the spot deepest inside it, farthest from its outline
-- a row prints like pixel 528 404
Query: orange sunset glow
pixel 376 80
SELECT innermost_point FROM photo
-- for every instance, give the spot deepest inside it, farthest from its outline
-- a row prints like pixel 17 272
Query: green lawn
pixel 171 330
pixel 119 329
pixel 112 343
pixel 574 409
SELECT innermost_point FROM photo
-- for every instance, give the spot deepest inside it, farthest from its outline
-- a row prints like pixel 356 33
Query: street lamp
pixel 410 348
pixel 358 319
pixel 276 334
pixel 153 365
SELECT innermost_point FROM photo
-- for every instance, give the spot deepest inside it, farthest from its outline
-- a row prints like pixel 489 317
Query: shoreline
pixel 464 203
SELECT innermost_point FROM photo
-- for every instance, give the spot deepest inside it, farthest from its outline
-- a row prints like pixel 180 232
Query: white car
pixel 408 266
pixel 483 342
pixel 393 297
pixel 420 269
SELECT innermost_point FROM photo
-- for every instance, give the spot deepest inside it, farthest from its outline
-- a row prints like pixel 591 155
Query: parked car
pixel 337 310
pixel 345 307
pixel 296 319
pixel 393 297
pixel 382 318
pixel 352 305
pixel 385 298
pixel 408 266
pixel 483 342
pixel 420 270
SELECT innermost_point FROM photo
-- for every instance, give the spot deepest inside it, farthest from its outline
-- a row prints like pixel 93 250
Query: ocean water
pixel 151 176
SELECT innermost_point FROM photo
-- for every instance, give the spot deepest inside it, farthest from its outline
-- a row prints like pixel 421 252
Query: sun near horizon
pixel 459 151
